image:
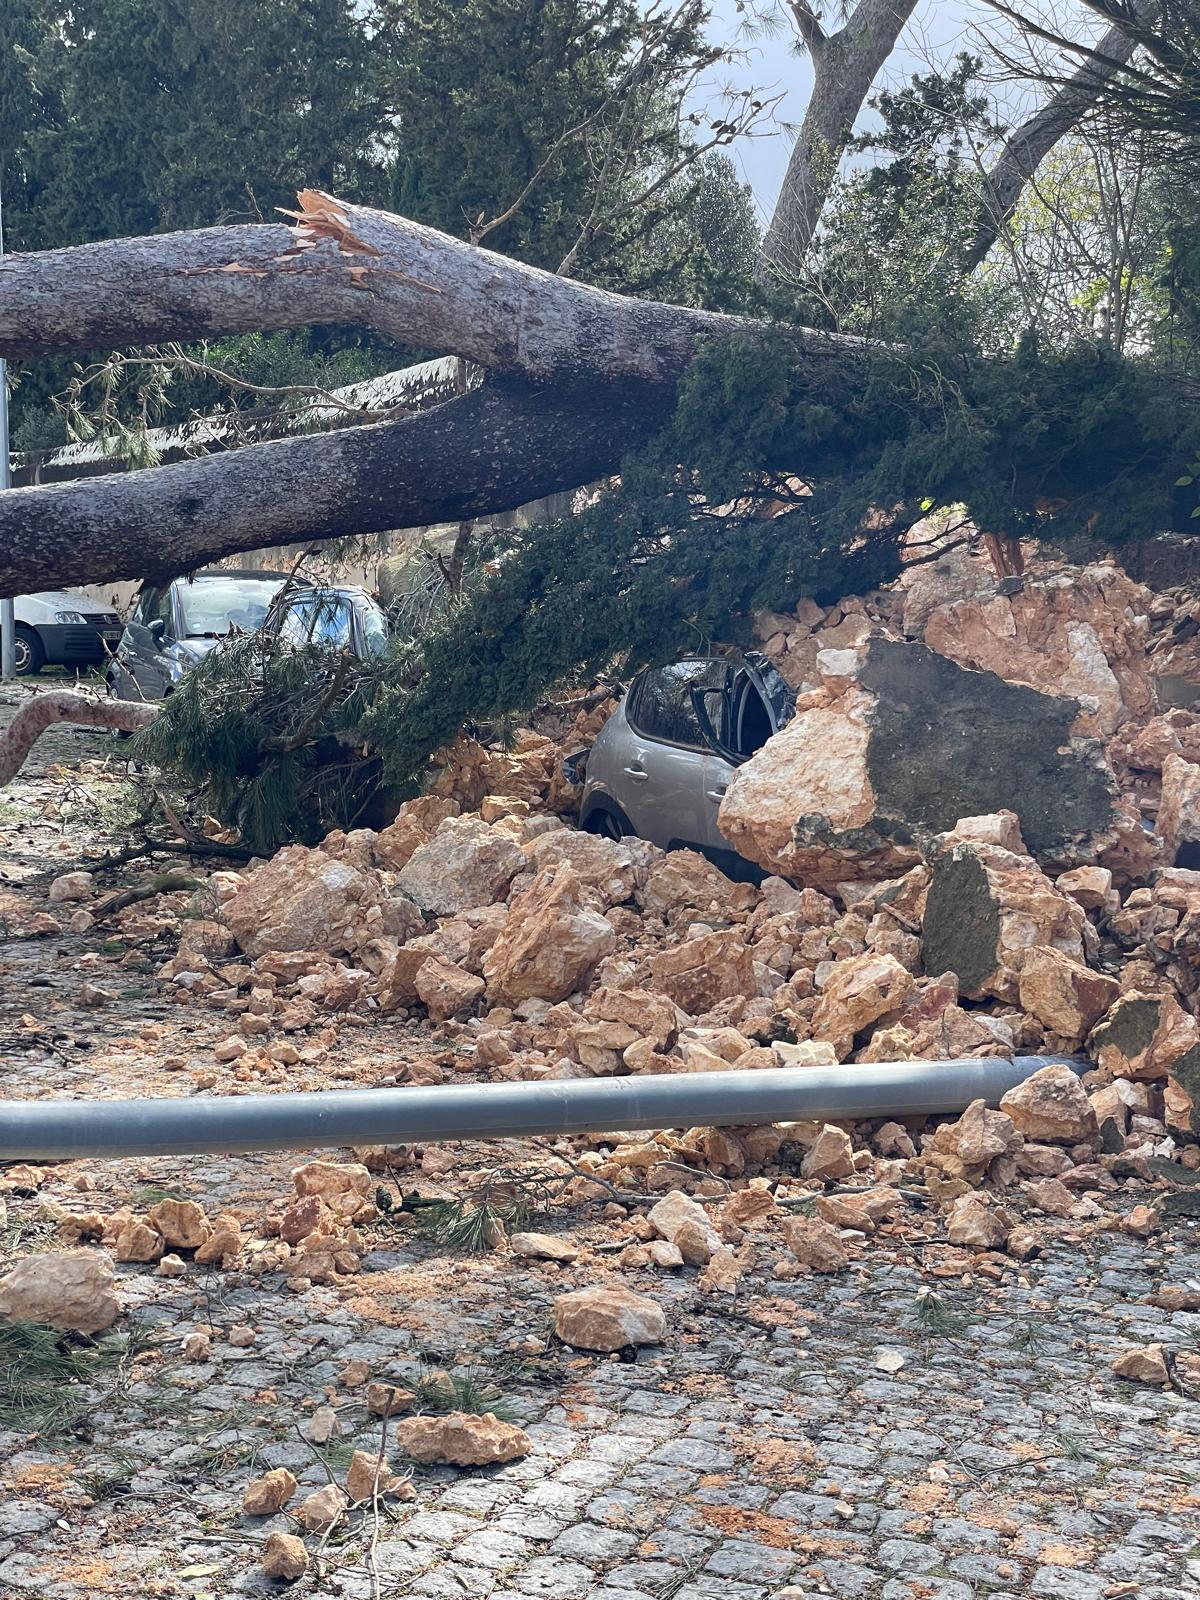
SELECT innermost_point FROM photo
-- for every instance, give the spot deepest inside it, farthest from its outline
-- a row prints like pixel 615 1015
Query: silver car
pixel 664 759
pixel 177 624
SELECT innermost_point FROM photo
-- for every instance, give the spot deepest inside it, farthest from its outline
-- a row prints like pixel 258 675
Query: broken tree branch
pixel 32 720
pixel 491 450
pixel 345 264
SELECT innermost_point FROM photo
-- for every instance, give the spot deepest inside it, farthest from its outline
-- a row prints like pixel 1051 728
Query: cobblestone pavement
pixel 827 1436
pixel 763 1446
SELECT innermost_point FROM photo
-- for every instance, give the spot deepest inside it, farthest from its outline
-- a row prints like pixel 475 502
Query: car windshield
pixel 323 619
pixel 214 603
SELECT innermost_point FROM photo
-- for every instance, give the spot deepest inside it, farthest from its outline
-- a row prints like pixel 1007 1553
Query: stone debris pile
pixel 979 836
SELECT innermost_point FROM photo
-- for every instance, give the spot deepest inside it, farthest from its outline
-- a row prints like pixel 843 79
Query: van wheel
pixel 610 822
pixel 30 656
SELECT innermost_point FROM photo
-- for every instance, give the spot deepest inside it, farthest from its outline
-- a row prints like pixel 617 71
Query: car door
pixel 737 714
pixel 669 775
pixel 141 649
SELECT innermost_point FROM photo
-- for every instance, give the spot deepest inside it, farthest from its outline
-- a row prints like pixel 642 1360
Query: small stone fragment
pixel 322 1425
pixel 322 1509
pixel 284 1556
pixel 1141 1222
pixel 268 1494
pixel 182 1223
pixel 608 1319
pixel 974 1223
pixel 462 1439
pixel 389 1399
pixel 75 1290
pixel 814 1244
pixel 830 1156
pixel 1147 1364
pixel 70 886
pixel 367 1474
pixel 542 1247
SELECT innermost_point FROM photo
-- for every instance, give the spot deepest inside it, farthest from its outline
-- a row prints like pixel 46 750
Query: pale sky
pixel 938 30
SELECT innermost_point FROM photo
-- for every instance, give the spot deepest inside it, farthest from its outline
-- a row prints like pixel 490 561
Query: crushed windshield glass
pixel 215 604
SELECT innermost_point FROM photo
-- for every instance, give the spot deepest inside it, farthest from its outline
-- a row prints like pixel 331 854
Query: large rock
pixel 303 899
pixel 1051 1107
pixel 1178 820
pixel 858 991
pixel 1148 1038
pixel 683 881
pixel 1081 633
pixel 614 869
pixel 551 941
pixel 702 971
pixel 869 768
pixel 608 1319
pixel 985 910
pixel 465 863
pixel 75 1291
pixel 1063 994
pixel 461 1439
pixel 416 823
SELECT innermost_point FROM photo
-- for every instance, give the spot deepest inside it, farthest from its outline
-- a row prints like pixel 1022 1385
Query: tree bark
pixel 342 264
pixel 1028 145
pixel 845 65
pixel 42 712
pixel 492 450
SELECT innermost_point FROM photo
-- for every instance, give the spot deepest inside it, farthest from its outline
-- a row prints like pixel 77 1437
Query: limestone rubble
pixel 978 835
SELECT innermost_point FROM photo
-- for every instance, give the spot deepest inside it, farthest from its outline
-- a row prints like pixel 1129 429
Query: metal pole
pixel 64 1130
pixel 8 620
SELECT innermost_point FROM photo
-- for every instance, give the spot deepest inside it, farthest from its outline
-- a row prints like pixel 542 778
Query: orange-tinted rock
pixel 551 942
pixel 608 1319
pixel 461 1439
pixel 1052 1107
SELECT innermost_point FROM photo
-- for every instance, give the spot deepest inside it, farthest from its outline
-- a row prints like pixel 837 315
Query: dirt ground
pixel 912 1429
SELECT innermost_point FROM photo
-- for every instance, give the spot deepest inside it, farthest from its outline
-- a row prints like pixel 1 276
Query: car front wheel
pixel 30 657
pixel 610 822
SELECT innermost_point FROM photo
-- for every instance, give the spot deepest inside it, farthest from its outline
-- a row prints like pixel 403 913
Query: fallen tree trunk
pixel 490 451
pixel 579 376
pixel 343 264
pixel 62 706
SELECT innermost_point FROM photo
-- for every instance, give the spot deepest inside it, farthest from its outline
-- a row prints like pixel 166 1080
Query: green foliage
pixel 268 733
pixel 778 476
pixel 48 1378
pixel 571 115
pixel 131 116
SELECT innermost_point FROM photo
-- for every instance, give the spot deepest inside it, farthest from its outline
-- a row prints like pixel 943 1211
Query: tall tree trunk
pixel 1027 146
pixel 845 65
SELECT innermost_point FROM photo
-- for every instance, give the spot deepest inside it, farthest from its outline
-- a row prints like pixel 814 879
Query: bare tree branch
pixel 42 712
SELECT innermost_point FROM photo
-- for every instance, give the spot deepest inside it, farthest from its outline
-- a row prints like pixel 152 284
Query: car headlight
pixel 67 616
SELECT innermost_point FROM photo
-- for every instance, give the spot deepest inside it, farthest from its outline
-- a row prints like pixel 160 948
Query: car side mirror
pixel 157 629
